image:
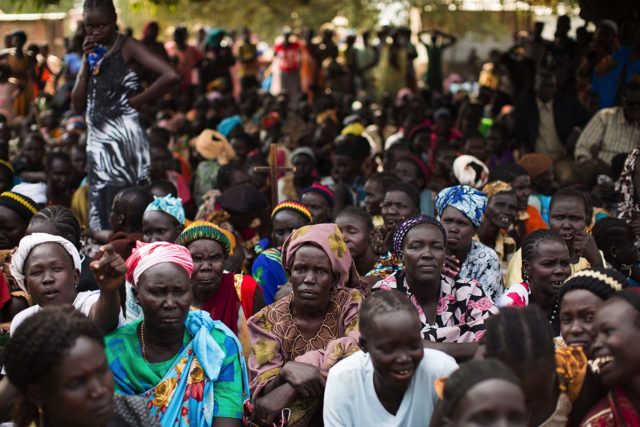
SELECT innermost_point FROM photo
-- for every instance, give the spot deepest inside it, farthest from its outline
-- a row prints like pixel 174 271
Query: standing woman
pixel 108 91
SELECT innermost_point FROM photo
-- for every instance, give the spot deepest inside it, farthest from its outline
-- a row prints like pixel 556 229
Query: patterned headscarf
pixel 27 243
pixel 495 187
pixel 403 229
pixel 468 170
pixel 205 230
pixel 147 255
pixel 296 207
pixel 169 205
pixel 471 202
pixel 628 207
pixel 327 237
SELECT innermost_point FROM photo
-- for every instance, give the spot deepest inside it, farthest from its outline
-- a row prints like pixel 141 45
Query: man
pixel 546 122
pixel 612 131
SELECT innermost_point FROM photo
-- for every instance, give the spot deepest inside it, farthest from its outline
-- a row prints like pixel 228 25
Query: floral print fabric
pixel 482 264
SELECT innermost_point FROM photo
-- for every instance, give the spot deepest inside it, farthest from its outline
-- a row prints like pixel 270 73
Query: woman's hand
pixel 452 263
pixel 307 380
pixel 109 269
pixel 269 407
pixel 585 246
pixel 89 45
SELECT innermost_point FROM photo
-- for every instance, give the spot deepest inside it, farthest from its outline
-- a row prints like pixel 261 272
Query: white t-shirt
pixel 83 303
pixel 351 400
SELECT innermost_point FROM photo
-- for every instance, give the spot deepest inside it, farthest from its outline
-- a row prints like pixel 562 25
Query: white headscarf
pixel 27 243
pixel 36 192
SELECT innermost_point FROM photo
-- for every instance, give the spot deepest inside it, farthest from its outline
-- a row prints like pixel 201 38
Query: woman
pixel 43 361
pixel 374 189
pixel 544 269
pixel 299 337
pixel 500 215
pixel 149 356
pixel 356 226
pixel 267 269
pixel 230 298
pixel 108 90
pixel 460 209
pixel 22 70
pixel 614 356
pixel 414 171
pixel 483 392
pixel 451 310
pixel 163 219
pixel 578 301
pixel 569 213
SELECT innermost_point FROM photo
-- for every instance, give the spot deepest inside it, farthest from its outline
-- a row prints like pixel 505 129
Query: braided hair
pixel 383 302
pixel 104 5
pixel 532 241
pixel 62 221
pixel 522 338
pixel 38 345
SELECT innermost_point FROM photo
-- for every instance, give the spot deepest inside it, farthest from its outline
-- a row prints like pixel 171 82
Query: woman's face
pixel 493 402
pixel 311 278
pixel 567 217
pixel 423 253
pixel 164 293
pixel 12 228
pixel 99 25
pixel 356 234
pixel 577 311
pixel 502 210
pixel 522 187
pixel 373 196
pixel 320 209
pixel 408 172
pixel 208 265
pixel 548 267
pixel 284 223
pixel 459 228
pixel 615 344
pixel 394 344
pixel 50 276
pixel 396 207
pixel 158 226
pixel 78 391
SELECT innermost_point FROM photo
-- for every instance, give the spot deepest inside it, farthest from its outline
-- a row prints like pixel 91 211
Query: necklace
pixel 144 352
pixel 96 68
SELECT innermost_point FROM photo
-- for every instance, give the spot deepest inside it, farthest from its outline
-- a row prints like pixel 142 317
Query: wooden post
pixel 273 171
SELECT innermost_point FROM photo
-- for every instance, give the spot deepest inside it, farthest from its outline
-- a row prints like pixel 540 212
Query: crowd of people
pixel 219 232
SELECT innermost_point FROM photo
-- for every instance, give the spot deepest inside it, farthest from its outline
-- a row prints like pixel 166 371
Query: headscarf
pixel 22 205
pixel 36 191
pixel 403 229
pixel 169 205
pixel 468 170
pixel 205 230
pixel 353 129
pixel 322 190
pixel 290 205
pixel 212 145
pixel 536 164
pixel 147 255
pixel 327 237
pixel 471 202
pixel 229 124
pixel 304 151
pixel 628 207
pixel 29 242
pixel 495 187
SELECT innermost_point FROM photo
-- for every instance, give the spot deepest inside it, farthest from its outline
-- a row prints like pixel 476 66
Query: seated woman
pixel 460 209
pixel 451 310
pixel 552 380
pixel 356 226
pixel 614 358
pixel 57 350
pixel 163 220
pixel 267 269
pixel 577 303
pixel 615 238
pixel 230 298
pixel 390 382
pixel 568 215
pixel 412 170
pixel 502 208
pixel 545 267
pixel 188 368
pixel 374 189
pixel 299 337
pixel 483 392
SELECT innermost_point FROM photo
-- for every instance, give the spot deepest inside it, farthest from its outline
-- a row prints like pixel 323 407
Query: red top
pixel 289 56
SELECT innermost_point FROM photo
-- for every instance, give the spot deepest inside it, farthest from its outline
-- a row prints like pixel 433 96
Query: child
pixel 390 382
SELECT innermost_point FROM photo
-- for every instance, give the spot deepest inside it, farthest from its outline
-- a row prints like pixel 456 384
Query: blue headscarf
pixel 169 205
pixel 471 202
pixel 227 125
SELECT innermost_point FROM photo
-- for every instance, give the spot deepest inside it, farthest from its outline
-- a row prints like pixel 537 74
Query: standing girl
pixel 108 90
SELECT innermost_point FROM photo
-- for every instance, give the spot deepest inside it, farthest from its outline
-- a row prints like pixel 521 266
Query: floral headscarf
pixel 495 187
pixel 471 202
pixel 327 237
pixel 628 207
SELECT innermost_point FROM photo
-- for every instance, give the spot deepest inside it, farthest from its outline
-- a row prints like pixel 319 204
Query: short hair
pixel 63 223
pixel 36 137
pixel 133 201
pixel 572 192
pixel 532 241
pixel 38 345
pixel 610 231
pixel 382 302
pixel 408 189
pixel 359 213
pixel 520 337
pixel 385 179
pixel 165 186
pixel 507 172
pixel 57 155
